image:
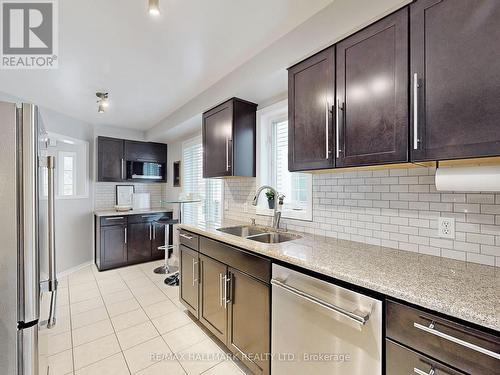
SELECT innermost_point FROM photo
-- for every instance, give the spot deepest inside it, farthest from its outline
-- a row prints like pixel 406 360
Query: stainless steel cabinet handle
pixel 337 127
pixel 154 232
pixel 227 155
pixel 327 129
pixel 195 279
pixel 125 235
pixel 420 372
pixel 115 218
pixel 122 167
pixel 227 280
pixel 52 284
pixel 415 111
pixel 185 236
pixel 220 289
pixel 150 232
pixel 336 309
pixel 433 331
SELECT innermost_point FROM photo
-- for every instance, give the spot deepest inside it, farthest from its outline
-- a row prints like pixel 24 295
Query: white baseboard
pixel 74 269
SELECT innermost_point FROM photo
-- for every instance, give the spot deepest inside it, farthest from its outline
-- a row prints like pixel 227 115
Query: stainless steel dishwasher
pixel 321 328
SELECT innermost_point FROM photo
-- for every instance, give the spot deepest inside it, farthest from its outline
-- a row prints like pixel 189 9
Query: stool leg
pixel 163 270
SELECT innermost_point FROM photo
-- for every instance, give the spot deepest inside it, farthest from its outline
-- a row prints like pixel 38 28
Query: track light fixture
pixel 154 7
pixel 102 101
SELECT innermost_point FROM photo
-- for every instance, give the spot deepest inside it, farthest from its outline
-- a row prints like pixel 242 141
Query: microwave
pixel 145 170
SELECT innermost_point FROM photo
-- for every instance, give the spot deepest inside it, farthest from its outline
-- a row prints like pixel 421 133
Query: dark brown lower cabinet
pixel 213 307
pixel 232 303
pixel 128 239
pixel 188 288
pixel 249 321
pixel 401 360
pixel 457 345
pixel 139 242
pixel 114 239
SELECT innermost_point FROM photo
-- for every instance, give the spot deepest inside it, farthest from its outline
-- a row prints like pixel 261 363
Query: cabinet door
pixel 217 141
pixel 213 308
pixel 140 236
pixel 158 240
pixel 455 65
pixel 189 271
pixel 372 94
pixel 113 245
pixel 110 162
pixel 145 151
pixel 401 360
pixel 310 100
pixel 249 321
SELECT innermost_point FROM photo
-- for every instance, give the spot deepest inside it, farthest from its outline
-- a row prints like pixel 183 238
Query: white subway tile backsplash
pixel 395 208
pixel 105 194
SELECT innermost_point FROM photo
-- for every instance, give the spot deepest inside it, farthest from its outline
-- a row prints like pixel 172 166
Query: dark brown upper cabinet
pixel 455 72
pixel 229 137
pixel 372 94
pixel 145 151
pixel 118 160
pixel 110 160
pixel 311 88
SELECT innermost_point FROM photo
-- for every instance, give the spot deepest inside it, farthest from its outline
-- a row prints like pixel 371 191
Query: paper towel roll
pixel 486 178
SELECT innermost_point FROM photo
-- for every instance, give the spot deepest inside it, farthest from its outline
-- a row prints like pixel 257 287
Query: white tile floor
pixel 127 321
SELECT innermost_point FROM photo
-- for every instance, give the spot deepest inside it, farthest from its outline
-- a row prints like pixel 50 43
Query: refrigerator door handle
pixel 52 281
pixel 27 182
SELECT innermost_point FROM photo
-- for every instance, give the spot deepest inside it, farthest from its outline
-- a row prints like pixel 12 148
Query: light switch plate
pixel 446 227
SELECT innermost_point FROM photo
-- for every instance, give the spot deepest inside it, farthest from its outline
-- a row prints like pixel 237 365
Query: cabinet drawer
pixel 401 360
pixel 113 220
pixel 188 239
pixel 457 345
pixel 146 218
pixel 253 265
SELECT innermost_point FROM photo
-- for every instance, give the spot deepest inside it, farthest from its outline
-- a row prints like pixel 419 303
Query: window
pixel 209 190
pixel 71 164
pixel 273 165
pixel 67 173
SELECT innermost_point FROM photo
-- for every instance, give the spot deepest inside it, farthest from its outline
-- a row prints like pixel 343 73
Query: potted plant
pixel 270 199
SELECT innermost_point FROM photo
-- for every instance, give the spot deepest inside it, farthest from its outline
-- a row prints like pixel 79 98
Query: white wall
pixel 74 217
pixel 74 226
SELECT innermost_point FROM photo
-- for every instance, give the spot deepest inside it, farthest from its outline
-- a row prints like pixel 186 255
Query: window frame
pixel 81 156
pixel 190 142
pixel 60 173
pixel 266 117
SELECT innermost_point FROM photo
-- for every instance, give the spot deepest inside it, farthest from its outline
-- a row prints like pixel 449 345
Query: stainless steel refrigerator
pixel 27 241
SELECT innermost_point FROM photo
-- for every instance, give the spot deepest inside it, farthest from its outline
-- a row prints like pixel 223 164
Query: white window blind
pixel 209 190
pixel 273 165
pixel 293 185
pixel 67 172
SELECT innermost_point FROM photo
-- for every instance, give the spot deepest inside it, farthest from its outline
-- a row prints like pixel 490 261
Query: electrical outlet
pixel 446 227
pixel 226 205
pixel 245 207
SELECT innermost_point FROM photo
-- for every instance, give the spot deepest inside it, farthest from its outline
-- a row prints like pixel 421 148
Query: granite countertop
pixel 463 290
pixel 101 213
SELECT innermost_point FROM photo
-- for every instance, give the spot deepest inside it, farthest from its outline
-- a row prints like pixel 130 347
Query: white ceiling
pixel 151 66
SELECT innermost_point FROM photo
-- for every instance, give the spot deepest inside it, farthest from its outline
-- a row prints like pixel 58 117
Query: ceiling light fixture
pixel 154 7
pixel 102 101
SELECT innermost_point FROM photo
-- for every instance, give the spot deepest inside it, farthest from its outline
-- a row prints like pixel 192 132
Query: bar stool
pixel 167 268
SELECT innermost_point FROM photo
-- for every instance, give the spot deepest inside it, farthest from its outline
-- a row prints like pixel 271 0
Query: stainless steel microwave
pixel 144 170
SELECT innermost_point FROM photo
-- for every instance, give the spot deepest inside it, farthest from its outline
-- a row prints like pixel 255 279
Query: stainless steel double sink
pixel 259 234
